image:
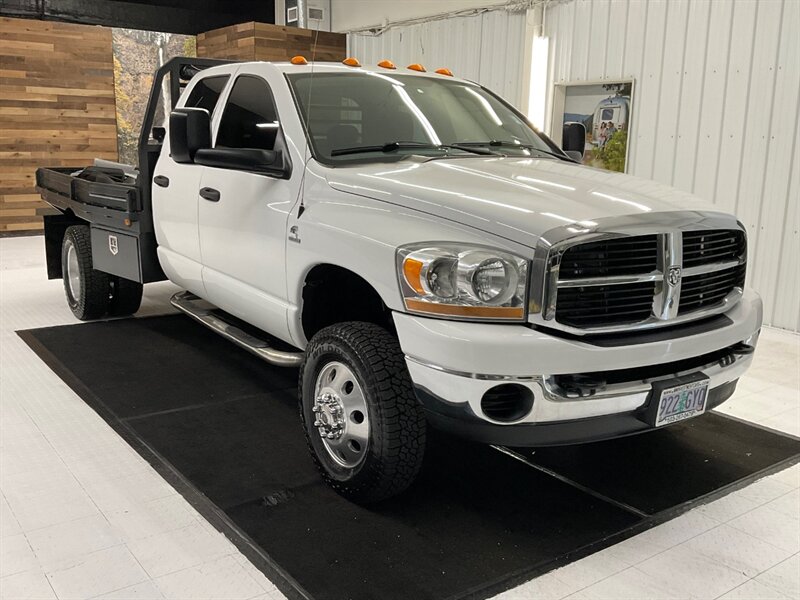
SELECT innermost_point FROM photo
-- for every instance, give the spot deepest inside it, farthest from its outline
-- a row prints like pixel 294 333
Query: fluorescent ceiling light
pixel 537 93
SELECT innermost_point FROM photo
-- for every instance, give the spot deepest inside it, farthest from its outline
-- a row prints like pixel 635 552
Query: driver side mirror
pixel 573 140
pixel 189 131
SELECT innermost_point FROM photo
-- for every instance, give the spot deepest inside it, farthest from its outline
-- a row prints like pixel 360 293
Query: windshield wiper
pixel 512 144
pixel 394 146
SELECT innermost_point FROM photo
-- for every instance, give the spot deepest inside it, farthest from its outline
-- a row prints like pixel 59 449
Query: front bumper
pixel 453 364
pixel 461 421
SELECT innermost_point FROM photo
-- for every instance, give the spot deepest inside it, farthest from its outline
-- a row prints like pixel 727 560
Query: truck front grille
pixel 620 282
pixel 621 256
pixel 708 289
pixel 608 304
pixel 703 247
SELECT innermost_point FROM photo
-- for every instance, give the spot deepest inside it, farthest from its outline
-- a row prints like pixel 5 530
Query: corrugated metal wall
pixel 485 48
pixel 717 85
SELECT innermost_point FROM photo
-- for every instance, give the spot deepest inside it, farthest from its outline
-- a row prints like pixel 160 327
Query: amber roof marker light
pixel 351 62
pixel 299 60
pixel 386 64
pixel 416 67
pixel 444 71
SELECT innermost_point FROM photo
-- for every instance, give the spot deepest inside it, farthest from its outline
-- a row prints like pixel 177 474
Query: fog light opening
pixel 507 402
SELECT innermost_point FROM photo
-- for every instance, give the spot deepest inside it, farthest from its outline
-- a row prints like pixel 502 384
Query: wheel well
pixel 334 294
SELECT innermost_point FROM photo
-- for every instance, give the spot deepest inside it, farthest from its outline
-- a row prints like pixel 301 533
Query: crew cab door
pixel 243 215
pixel 175 198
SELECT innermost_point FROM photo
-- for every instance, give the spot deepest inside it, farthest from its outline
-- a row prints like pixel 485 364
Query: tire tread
pixel 94 299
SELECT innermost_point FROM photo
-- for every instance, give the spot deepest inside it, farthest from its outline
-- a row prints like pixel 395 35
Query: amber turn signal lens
pixel 387 64
pixel 412 270
pixel 416 67
pixel 351 62
pixel 299 60
pixel 455 310
pixel 443 71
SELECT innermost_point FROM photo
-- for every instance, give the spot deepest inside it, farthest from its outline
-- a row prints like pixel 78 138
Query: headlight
pixel 461 281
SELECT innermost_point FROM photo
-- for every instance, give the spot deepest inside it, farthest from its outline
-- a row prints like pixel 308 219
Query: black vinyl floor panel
pixel 657 471
pixel 223 427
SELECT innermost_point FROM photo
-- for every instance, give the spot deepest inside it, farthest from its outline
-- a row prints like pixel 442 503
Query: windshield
pixel 372 117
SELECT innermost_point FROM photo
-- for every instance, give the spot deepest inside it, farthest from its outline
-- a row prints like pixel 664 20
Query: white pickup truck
pixel 420 252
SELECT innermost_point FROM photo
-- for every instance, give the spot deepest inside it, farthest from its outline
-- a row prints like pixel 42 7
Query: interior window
pixel 206 92
pixel 250 119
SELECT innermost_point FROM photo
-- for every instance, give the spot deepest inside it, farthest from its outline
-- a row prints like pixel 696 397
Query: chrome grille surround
pixel 665 306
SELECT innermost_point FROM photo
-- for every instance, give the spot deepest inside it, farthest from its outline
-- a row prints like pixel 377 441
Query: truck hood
pixel 515 198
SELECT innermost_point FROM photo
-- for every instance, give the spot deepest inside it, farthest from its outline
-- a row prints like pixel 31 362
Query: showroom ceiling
pixel 173 16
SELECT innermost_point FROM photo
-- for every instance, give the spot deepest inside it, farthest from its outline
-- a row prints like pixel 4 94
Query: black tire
pixel 397 425
pixel 90 299
pixel 125 296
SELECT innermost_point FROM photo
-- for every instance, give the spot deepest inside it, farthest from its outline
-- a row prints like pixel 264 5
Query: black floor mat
pixel 669 467
pixel 223 428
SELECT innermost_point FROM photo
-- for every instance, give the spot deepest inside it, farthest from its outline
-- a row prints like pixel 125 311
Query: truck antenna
pixel 302 206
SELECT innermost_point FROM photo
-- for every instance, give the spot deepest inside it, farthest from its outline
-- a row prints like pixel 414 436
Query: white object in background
pixel 537 98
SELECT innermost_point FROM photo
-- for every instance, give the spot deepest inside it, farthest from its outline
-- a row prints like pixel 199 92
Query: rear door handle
pixel 161 181
pixel 210 194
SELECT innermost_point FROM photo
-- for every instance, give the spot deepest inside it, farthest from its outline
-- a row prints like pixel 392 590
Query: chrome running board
pixel 202 311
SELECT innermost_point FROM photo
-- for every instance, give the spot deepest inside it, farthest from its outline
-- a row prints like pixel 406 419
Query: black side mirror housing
pixel 573 139
pixel 189 131
pixel 256 160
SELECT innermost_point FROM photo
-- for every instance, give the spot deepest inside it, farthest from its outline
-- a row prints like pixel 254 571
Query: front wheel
pixel 363 424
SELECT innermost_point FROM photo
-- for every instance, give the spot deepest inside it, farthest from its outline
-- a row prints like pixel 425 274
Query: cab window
pixel 250 119
pixel 206 92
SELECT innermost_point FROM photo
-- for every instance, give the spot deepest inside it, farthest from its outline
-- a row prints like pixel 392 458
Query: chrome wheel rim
pixel 73 273
pixel 340 414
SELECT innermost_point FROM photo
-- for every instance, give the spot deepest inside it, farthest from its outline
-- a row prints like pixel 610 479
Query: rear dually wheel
pixel 87 289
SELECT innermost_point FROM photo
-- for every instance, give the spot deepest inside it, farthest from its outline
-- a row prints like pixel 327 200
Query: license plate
pixel 682 402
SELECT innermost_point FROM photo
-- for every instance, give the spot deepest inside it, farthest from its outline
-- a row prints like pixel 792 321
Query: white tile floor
pixel 83 516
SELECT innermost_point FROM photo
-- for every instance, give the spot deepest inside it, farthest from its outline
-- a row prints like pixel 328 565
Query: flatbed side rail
pixel 116 196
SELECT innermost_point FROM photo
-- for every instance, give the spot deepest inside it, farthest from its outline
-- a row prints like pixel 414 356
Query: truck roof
pixel 328 67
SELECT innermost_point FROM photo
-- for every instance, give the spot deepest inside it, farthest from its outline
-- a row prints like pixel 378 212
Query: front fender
pixel 359 234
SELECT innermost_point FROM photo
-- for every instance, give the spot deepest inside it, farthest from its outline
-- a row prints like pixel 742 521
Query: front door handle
pixel 210 194
pixel 161 181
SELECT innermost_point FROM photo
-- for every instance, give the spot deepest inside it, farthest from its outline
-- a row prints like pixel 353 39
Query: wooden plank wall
pixel 56 108
pixel 262 41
